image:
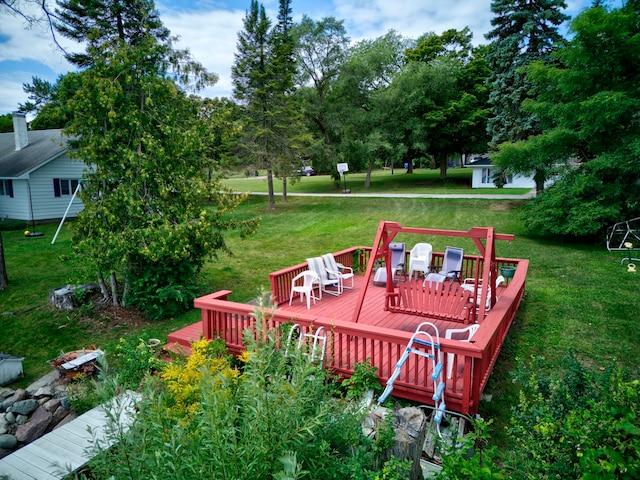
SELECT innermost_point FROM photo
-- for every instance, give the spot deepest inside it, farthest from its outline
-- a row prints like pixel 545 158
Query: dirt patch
pixel 103 317
pixel 505 205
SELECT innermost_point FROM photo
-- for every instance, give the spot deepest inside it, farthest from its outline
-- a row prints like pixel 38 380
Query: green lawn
pixel 382 181
pixel 578 296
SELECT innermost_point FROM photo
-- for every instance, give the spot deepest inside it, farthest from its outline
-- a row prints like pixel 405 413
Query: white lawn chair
pixel 338 269
pixel 309 281
pixel 329 283
pixel 470 285
pixel 470 331
pixel 420 258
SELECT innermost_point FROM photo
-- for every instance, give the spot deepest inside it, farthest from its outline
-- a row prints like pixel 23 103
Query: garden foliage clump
pixel 266 415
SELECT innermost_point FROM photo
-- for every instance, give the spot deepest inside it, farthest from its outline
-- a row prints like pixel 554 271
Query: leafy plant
pixel 134 360
pixel 364 378
pixel 575 423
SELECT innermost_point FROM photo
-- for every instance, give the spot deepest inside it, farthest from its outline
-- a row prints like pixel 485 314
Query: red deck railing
pixel 350 343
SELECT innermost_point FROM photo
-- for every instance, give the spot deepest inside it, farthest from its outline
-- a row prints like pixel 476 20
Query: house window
pixel 488 176
pixel 64 186
pixel 6 188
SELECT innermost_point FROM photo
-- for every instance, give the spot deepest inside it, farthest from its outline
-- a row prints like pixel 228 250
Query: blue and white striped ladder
pixel 422 338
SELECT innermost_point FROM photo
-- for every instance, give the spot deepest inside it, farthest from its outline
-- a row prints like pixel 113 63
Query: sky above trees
pixel 209 30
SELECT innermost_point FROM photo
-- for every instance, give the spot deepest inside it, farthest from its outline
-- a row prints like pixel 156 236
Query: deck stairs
pixel 424 342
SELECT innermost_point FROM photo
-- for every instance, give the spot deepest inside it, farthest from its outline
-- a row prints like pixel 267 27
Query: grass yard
pixel 382 181
pixel 578 296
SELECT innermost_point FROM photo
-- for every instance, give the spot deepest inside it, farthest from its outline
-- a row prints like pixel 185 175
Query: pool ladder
pixel 419 340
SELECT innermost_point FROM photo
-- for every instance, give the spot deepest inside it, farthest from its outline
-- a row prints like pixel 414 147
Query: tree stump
pixel 410 425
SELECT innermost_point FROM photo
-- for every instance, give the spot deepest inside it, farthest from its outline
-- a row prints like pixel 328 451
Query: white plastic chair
pixel 420 258
pixel 469 284
pixel 309 281
pixel 329 282
pixel 338 269
pixel 470 330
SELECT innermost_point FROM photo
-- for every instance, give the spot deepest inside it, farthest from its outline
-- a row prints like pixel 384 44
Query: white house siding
pixel 15 207
pixel 45 204
pixel 518 181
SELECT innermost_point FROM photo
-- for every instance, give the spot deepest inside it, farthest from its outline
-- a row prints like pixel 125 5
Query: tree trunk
pixel 4 280
pixel 367 179
pixel 443 166
pixel 539 178
pixel 284 189
pixel 272 199
pixel 103 288
pixel 114 289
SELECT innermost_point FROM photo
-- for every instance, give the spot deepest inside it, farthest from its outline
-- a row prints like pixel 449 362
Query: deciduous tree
pixel 587 103
pixel 143 228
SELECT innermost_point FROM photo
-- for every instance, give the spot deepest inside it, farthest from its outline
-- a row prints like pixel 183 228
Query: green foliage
pixel 574 423
pixel 143 228
pixel 164 289
pixel 277 419
pixel 364 378
pixel 6 123
pixel 84 390
pixel 523 32
pixel 587 102
pixel 394 469
pixel 134 360
pixel 472 456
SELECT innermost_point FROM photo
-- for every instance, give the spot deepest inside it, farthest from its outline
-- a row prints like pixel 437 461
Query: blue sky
pixel 208 28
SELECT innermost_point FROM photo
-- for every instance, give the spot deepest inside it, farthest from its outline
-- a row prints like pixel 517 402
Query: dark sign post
pixel 343 168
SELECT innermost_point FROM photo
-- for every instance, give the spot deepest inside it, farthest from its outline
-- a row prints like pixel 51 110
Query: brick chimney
pixel 20 130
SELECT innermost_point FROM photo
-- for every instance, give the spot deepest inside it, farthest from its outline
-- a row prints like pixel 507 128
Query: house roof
pixel 44 146
pixel 480 162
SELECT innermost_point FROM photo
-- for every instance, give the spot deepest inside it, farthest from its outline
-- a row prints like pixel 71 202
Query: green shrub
pixel 245 427
pixel 575 424
pixel 134 359
pixel 364 378
pixel 159 290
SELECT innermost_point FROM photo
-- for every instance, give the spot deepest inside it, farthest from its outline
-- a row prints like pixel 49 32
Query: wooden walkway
pixel 69 447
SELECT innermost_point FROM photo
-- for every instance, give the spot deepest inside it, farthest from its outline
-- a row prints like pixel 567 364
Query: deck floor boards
pixel 63 450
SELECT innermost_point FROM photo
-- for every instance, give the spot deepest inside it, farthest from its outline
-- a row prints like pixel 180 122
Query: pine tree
pixel 524 31
pixel 102 22
pixel 263 75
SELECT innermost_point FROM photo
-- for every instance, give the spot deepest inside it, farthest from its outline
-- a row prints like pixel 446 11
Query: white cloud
pixel 211 38
pixel 372 18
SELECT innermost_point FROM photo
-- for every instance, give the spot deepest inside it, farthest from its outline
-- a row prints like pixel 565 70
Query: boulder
pixel 10 417
pixel 35 427
pixel 24 407
pixel 67 419
pixel 57 416
pixel 46 391
pixel 52 404
pixel 8 442
pixel 17 396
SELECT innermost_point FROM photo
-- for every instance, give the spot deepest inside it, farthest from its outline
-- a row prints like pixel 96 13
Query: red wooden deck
pixel 376 333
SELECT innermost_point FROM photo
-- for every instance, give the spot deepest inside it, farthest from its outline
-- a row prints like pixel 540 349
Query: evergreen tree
pixel 524 31
pixel 108 22
pixel 263 76
pixel 587 103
